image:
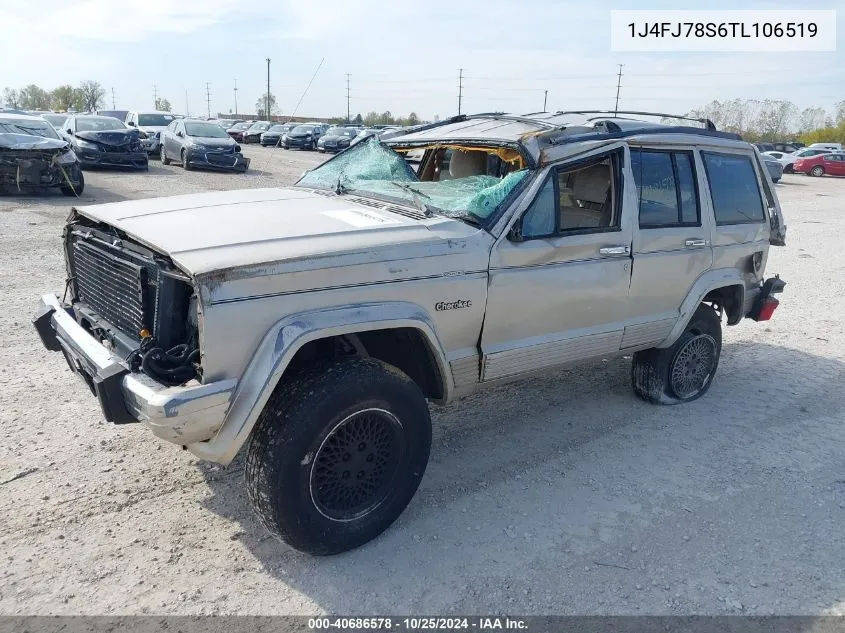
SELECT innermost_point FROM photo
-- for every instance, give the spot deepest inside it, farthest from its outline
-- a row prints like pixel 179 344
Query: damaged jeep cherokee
pixel 312 323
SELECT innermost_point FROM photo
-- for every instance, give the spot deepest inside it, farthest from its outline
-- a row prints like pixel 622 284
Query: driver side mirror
pixel 132 123
pixel 515 234
pixel 180 134
pixel 69 131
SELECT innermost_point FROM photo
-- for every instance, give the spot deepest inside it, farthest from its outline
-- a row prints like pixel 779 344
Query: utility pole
pixel 545 98
pixel 208 98
pixel 347 98
pixel 113 106
pixel 155 97
pixel 460 88
pixel 268 89
pixel 236 96
pixel 618 84
pixel 187 109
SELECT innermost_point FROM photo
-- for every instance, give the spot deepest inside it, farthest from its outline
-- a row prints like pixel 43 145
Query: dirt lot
pixel 562 494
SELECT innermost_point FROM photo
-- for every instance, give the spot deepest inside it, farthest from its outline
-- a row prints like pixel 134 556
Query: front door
pixel 672 246
pixel 559 281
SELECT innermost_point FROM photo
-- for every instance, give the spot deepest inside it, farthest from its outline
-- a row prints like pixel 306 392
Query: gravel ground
pixel 561 494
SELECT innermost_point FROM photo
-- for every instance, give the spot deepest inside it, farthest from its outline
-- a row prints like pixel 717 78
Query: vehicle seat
pixel 464 164
pixel 587 203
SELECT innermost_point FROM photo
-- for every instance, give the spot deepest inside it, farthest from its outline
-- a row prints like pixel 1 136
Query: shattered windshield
pixel 26 126
pixel 373 168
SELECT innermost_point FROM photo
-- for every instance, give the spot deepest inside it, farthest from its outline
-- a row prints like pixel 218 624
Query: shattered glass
pixel 371 167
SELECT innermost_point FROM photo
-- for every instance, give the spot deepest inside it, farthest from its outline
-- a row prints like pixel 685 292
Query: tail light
pixel 767 309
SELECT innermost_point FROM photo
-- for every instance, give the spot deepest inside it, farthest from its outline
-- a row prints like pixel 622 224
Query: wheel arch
pixel 725 288
pixel 292 334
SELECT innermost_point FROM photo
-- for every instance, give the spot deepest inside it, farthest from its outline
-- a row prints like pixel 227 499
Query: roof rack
pixel 516 118
pixel 708 124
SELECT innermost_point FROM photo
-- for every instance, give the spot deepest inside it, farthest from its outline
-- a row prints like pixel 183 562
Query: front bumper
pixel 297 142
pixel 217 160
pixel 182 415
pixel 135 160
pixel 269 141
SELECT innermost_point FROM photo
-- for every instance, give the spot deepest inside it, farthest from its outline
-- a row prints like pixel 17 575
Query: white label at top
pixel 750 31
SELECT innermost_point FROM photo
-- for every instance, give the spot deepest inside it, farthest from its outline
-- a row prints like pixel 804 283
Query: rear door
pixel 672 243
pixel 834 164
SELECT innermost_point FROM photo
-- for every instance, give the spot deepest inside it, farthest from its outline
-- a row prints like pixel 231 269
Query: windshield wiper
pixel 340 189
pixel 417 197
pixel 469 218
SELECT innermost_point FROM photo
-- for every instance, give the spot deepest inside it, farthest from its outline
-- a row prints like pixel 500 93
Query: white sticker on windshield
pixel 361 219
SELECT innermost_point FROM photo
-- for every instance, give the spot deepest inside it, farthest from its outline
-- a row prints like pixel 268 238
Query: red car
pixel 238 129
pixel 833 164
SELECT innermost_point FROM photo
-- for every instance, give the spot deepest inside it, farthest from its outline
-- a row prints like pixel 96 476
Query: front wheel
pixel 684 371
pixel 818 170
pixel 163 155
pixel 337 454
pixel 74 190
pixel 186 165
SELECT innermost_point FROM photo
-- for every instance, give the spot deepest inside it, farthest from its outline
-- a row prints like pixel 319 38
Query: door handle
pixel 695 243
pixel 615 251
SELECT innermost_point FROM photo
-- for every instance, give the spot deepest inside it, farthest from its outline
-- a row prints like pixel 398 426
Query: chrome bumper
pixel 182 415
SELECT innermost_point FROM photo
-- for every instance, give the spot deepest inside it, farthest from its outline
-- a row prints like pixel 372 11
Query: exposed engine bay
pixel 133 300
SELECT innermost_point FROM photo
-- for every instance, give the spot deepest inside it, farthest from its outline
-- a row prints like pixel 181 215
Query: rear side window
pixel 733 188
pixel 666 187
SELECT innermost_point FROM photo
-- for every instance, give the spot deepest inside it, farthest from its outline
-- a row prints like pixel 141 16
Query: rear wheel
pixel 337 454
pixel 818 170
pixel 684 371
pixel 163 155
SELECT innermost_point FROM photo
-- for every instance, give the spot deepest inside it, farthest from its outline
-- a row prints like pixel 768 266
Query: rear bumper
pixel 182 415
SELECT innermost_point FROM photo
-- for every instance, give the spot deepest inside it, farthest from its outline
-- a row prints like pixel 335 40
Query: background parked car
pixel 274 135
pixel 831 146
pixel 788 160
pixel 363 135
pixel 773 166
pixel 237 130
pixel 832 163
pixel 303 136
pixel 201 144
pixel 103 141
pixel 56 119
pixel 253 133
pixel 336 139
pixel 227 123
pixel 34 156
pixel 151 123
pixel 117 114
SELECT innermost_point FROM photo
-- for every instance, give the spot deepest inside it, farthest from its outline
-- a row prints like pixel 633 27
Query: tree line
pixel 88 96
pixel 775 120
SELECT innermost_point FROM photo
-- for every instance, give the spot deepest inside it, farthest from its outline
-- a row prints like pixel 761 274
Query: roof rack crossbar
pixel 707 122
pixel 516 118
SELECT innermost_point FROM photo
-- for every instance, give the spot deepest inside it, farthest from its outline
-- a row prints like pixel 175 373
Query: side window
pixel 575 200
pixel 667 188
pixel 733 188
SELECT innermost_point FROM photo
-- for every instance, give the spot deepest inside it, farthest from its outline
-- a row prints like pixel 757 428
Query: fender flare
pixel 284 339
pixel 711 280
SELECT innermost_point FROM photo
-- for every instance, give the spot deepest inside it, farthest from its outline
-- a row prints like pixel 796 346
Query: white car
pixel 788 160
pixel 831 146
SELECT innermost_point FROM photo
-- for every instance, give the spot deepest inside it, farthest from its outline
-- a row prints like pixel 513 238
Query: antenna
pixel 618 85
pixel 460 88
pixel 545 98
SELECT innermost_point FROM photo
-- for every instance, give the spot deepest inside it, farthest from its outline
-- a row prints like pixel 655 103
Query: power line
pixel 155 97
pixel 268 89
pixel 236 96
pixel 618 85
pixel 113 106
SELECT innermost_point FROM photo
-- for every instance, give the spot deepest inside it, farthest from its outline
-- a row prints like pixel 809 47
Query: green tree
pixel 358 120
pixel 34 98
pixel 11 97
pixel 92 95
pixel 163 104
pixel 65 97
pixel 412 119
pixel 840 111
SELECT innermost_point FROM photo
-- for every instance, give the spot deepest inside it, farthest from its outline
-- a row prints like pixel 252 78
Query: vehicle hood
pixel 28 141
pixel 335 138
pixel 213 141
pixel 256 228
pixel 109 137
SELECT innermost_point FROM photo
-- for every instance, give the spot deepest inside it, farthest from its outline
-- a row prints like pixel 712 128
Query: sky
pixel 400 56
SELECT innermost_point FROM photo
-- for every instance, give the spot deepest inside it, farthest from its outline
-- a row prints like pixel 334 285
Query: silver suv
pixel 312 323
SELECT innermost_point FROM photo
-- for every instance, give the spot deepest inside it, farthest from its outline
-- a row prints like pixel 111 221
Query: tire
pixel 788 169
pixel 818 170
pixel 293 481
pixel 185 164
pixel 75 191
pixel 684 371
pixel 776 180
pixel 162 154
